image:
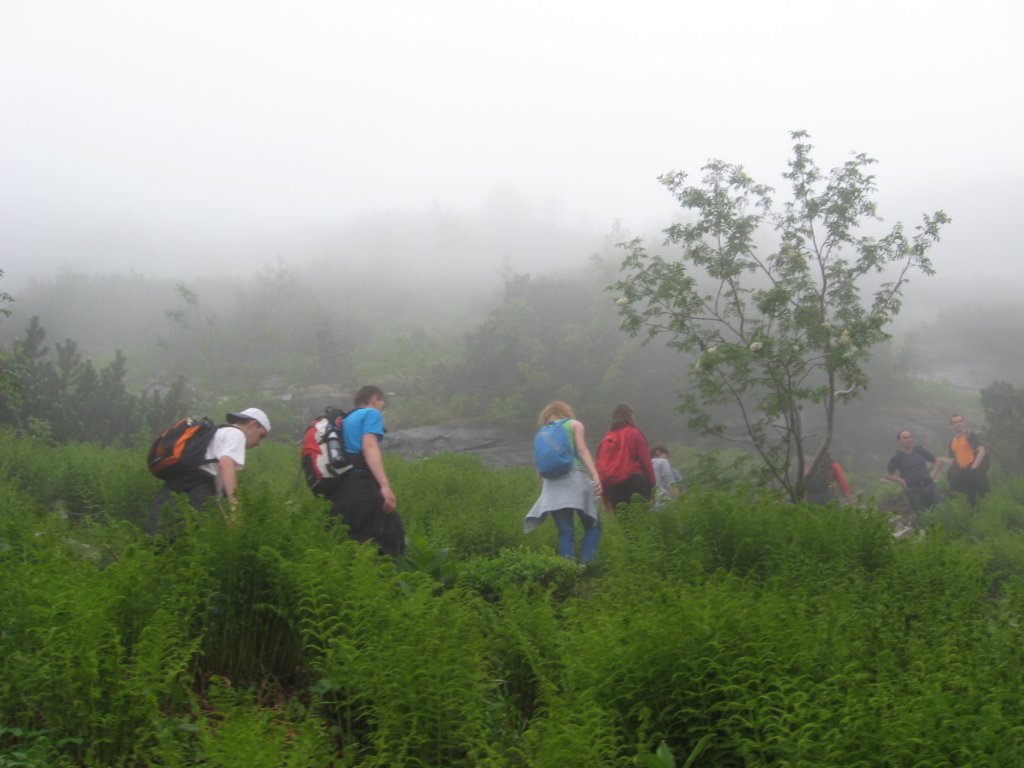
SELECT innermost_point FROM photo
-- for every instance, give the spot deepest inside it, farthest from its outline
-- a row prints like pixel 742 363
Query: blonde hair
pixel 556 409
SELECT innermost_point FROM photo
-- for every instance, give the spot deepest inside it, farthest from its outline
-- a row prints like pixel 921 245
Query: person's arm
pixel 643 455
pixel 229 450
pixel 375 463
pixel 979 456
pixel 584 453
pixel 896 479
pixel 673 489
pixel 844 487
pixel 979 450
pixel 890 472
pixel 677 480
pixel 229 478
pixel 604 496
pixel 930 457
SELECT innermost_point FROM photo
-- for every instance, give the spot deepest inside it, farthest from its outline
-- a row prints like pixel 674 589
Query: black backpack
pixel 181 448
pixel 819 482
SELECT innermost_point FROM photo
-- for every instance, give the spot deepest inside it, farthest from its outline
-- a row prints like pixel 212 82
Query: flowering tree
pixel 781 329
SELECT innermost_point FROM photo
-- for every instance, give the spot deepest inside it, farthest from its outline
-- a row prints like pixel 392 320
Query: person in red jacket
pixel 624 460
pixel 821 486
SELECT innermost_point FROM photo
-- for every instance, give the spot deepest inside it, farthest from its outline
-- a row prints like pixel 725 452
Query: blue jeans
pixel 567 534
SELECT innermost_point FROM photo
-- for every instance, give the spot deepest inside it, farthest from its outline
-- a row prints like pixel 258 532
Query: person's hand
pixel 231 513
pixel 389 499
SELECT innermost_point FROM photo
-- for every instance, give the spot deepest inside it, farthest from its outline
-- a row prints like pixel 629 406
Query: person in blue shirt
pixel 917 478
pixel 363 499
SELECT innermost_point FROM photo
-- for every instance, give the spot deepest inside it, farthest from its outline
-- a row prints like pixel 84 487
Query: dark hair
pixel 659 448
pixel 366 394
pixel 901 432
pixel 623 416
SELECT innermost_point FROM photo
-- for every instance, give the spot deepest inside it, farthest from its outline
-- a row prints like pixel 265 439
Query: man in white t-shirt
pixel 218 476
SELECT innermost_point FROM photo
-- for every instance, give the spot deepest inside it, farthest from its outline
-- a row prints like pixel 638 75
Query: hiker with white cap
pixel 217 475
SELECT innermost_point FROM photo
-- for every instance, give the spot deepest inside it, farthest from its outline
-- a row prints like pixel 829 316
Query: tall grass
pixel 735 628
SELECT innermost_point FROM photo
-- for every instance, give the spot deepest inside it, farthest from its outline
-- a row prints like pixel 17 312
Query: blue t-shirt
pixel 913 466
pixel 360 422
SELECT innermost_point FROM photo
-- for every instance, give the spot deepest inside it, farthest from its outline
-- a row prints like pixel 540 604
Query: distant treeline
pixel 542 338
pixel 498 355
pixel 58 395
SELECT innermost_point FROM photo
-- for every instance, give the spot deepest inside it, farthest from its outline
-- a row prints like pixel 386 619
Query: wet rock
pixel 498 446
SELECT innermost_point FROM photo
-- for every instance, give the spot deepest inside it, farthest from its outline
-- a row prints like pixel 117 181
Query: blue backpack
pixel 553 454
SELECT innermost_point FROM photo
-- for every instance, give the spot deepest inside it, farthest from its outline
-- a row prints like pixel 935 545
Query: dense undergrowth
pixel 741 630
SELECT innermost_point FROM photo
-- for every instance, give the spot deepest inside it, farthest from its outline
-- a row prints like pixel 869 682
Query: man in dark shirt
pixel 917 479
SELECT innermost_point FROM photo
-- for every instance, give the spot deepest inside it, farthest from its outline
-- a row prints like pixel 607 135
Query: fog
pixel 412 158
pixel 206 138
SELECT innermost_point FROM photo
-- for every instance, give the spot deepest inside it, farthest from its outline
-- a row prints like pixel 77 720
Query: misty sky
pixel 141 134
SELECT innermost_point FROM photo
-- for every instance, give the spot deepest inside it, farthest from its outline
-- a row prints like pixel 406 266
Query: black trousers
pixel 358 503
pixel 636 485
pixel 973 483
pixel 198 486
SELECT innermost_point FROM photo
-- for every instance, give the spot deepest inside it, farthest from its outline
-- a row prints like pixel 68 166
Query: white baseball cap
pixel 250 414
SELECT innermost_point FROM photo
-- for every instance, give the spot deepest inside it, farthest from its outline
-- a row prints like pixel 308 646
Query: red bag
pixel 614 462
pixel 323 456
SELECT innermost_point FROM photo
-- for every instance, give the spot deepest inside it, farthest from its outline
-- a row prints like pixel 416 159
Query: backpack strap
pixel 570 432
